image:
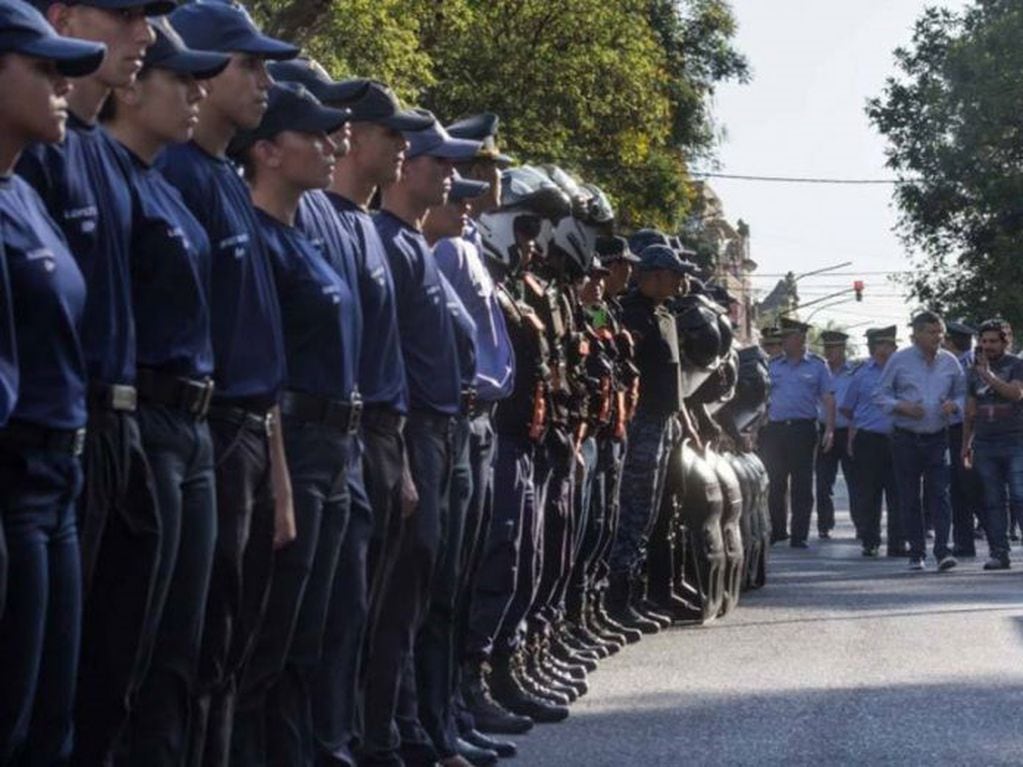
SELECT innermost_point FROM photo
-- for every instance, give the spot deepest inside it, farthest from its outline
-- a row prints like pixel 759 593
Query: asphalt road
pixel 839 660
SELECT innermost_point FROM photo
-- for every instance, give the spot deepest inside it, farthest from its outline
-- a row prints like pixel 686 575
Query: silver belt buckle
pixel 78 444
pixel 123 397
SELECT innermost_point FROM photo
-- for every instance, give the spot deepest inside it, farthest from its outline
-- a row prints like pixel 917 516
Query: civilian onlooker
pixel 923 387
pixel 993 435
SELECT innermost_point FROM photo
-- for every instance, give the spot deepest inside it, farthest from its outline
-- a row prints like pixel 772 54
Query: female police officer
pixel 40 470
pixel 170 262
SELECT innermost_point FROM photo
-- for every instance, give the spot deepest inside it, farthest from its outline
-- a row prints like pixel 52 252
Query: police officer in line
pixel 82 184
pixel 869 447
pixel 834 343
pixel 964 486
pixel 41 445
pixel 430 347
pixel 661 275
pixel 170 259
pixel 254 503
pixel 800 383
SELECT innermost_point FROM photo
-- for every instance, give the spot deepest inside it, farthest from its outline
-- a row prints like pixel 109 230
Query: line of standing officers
pixel 932 430
pixel 285 481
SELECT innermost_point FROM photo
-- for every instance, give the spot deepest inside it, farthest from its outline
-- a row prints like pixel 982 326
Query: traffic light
pixel 858 289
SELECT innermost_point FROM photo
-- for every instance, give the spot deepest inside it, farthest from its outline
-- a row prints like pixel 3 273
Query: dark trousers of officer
pixel 558 522
pixel 273 692
pixel 661 549
pixel 479 513
pixel 390 668
pixel 642 482
pixel 921 458
pixel 999 466
pixel 589 522
pixel 788 449
pixel 180 453
pixel 120 538
pixel 605 506
pixel 335 679
pixel 876 482
pixel 827 472
pixel 239 583
pixel 39 631
pixel 964 494
pixel 504 554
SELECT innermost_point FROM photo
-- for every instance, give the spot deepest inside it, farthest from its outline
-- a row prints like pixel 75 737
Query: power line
pixel 808 180
pixel 836 274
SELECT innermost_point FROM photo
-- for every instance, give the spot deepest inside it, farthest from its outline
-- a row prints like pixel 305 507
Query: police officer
pixel 83 186
pixel 432 366
pixel 869 447
pixel 254 504
pixel 799 383
pixel 170 258
pixel 41 445
pixel 661 276
pixel 834 343
pixel 964 485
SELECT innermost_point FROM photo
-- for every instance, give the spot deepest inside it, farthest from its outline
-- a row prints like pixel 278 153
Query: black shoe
pixel 870 551
pixel 898 551
pixel 799 544
pixel 503 748
pixel 489 715
pixel 997 563
pixel 479 757
pixel 533 682
pixel 649 610
pixel 824 535
pixel 560 668
pixel 561 681
pixel 509 693
pixel 565 653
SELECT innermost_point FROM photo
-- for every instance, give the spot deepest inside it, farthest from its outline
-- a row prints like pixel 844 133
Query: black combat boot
pixel 507 690
pixel 609 625
pixel 644 606
pixel 619 606
pixel 503 748
pixel 489 715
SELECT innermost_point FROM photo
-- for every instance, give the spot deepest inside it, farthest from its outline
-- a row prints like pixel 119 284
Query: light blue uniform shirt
pixel 796 388
pixel 858 399
pixel 459 260
pixel 840 380
pixel 909 377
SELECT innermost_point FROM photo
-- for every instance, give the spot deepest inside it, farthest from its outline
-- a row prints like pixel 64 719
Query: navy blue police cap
pixel 290 107
pixel 170 52
pixel 315 78
pixel 645 237
pixel 482 128
pixel 24 30
pixel 434 141
pixel 466 188
pixel 379 105
pixel 613 248
pixel 656 256
pixel 226 27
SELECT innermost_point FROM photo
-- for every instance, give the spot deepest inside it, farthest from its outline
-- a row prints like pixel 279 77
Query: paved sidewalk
pixel 840 660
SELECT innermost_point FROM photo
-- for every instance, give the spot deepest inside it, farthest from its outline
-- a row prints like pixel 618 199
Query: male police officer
pixel 82 183
pixel 799 383
pixel 869 447
pixel 963 485
pixel 841 370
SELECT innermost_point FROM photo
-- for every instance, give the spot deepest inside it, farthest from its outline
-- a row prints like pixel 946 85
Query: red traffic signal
pixel 858 289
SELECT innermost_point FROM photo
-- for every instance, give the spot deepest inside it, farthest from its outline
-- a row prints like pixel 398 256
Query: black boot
pixel 565 685
pixel 619 606
pixel 643 606
pixel 503 748
pixel 507 690
pixel 478 757
pixel 609 624
pixel 489 715
pixel 537 686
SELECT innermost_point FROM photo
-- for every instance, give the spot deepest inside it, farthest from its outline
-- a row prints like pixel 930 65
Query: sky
pixel 815 63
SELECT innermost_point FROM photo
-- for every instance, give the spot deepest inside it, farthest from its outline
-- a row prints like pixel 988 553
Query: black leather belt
pixel 794 422
pixel 257 420
pixel 467 401
pixel 191 396
pixel 19 434
pixel 117 397
pixel 338 414
pixel 382 415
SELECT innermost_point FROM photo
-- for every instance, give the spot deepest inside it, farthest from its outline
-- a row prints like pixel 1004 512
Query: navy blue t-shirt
pixel 424 320
pixel 48 307
pixel 318 221
pixel 8 352
pixel 170 271
pixel 382 378
pixel 317 309
pixel 465 332
pixel 82 183
pixel 245 320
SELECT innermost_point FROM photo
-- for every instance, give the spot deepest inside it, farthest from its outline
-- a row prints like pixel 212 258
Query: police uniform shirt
pixel 796 389
pixel 170 271
pixel 245 320
pixel 459 260
pixel 316 308
pixel 382 379
pixel 996 415
pixel 840 381
pixel 465 333
pixel 657 354
pixel 424 321
pixel 858 399
pixel 48 306
pixel 8 352
pixel 82 182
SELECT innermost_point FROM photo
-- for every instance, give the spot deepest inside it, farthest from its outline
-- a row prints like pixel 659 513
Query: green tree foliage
pixel 955 131
pixel 618 92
